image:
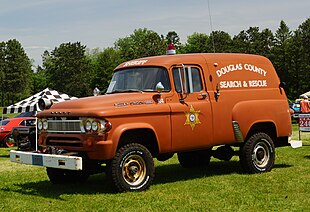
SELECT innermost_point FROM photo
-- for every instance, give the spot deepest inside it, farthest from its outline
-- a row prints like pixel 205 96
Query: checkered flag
pixel 31 103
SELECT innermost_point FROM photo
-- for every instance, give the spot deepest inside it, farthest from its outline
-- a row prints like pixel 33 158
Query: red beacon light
pixel 170 49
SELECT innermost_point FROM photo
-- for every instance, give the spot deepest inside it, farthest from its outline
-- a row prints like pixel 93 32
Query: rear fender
pixel 251 113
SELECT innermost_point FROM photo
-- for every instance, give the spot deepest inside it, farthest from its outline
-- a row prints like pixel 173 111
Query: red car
pixel 6 126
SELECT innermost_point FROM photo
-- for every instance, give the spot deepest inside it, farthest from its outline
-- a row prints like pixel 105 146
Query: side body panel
pixel 249 93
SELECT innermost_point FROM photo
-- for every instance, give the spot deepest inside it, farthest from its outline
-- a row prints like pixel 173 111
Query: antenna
pixel 211 26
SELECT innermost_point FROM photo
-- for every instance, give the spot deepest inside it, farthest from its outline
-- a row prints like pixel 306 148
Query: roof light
pixel 171 49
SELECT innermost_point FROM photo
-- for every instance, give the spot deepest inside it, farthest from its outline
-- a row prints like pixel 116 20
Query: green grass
pixel 220 187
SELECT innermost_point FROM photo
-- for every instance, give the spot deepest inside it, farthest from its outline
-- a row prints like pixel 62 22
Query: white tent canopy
pixel 307 94
pixel 31 103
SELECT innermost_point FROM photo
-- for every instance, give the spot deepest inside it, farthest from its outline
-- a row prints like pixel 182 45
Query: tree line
pixel 73 69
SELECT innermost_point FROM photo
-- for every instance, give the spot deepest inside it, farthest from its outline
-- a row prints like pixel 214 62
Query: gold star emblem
pixel 192 117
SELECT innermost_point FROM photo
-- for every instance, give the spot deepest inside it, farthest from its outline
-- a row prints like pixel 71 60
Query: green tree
pixel 253 41
pixel 39 79
pixel 217 41
pixel 304 29
pixel 2 70
pixel 221 40
pixel 266 43
pixel 141 43
pixel 17 72
pixel 173 37
pixel 299 66
pixel 197 43
pixel 68 70
pixel 103 64
pixel 280 52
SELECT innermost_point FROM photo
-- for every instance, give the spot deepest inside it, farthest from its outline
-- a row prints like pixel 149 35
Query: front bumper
pixel 47 160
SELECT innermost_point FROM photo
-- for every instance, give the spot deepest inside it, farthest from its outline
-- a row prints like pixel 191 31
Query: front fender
pixel 119 130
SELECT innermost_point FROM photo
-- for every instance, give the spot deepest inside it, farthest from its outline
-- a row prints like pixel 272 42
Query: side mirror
pixel 159 87
pixel 157 97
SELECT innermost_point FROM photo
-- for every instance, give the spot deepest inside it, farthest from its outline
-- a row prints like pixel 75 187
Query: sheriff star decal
pixel 192 117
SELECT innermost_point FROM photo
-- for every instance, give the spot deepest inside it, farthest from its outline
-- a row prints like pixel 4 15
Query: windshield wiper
pixel 126 91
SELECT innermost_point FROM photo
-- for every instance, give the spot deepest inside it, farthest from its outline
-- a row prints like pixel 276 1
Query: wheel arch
pixel 267 127
pixel 142 135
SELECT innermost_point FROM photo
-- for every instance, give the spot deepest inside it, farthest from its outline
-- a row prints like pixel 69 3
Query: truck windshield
pixel 139 79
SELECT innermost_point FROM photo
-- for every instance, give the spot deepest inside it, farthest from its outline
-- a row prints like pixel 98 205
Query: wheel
pixel 257 155
pixel 132 168
pixel 195 158
pixel 63 176
pixel 8 142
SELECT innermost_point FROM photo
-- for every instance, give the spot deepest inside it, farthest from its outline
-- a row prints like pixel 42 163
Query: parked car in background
pixel 8 124
pixel 4 117
pixel 24 137
pixel 26 114
pixel 296 108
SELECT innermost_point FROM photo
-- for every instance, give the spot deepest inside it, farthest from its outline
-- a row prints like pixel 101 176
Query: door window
pixel 189 77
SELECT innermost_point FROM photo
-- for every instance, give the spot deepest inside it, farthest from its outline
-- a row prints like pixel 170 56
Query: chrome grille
pixel 64 126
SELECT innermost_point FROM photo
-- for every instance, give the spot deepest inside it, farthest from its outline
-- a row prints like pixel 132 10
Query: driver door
pixel 191 116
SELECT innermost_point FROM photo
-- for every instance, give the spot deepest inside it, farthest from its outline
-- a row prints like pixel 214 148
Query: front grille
pixel 66 141
pixel 64 126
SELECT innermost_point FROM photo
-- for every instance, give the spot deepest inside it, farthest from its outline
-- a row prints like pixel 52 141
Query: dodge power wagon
pixel 194 105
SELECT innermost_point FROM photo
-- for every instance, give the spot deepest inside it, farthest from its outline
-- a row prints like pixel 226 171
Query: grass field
pixel 220 187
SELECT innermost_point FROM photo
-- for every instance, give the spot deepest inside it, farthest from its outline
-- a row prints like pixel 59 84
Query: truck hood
pixel 105 105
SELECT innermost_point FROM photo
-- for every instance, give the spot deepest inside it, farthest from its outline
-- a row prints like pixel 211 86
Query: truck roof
pixel 195 58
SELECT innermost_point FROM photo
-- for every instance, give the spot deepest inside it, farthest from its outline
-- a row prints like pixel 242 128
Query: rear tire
pixel 257 155
pixel 132 168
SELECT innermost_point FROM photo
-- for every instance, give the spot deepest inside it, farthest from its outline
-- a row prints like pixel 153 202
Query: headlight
pixel 94 126
pixel 40 125
pixel 45 125
pixel 105 126
pixel 88 125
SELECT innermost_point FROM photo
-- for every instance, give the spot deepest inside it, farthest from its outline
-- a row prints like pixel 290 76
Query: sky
pixel 45 24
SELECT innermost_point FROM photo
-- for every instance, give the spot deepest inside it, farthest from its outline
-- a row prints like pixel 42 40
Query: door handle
pixel 202 96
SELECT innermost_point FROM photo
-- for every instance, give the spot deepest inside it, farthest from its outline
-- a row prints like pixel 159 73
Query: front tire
pixel 257 155
pixel 7 142
pixel 132 168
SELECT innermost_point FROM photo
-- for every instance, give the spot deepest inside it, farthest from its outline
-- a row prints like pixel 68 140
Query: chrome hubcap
pixel 134 170
pixel 261 154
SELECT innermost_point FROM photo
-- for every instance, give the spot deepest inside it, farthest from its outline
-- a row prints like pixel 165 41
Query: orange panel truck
pixel 194 105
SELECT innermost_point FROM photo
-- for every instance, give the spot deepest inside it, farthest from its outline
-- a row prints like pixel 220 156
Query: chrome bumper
pixel 47 160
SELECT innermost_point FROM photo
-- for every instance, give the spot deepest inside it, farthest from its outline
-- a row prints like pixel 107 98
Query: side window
pixel 30 122
pixel 177 77
pixel 23 123
pixel 189 77
pixel 196 80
